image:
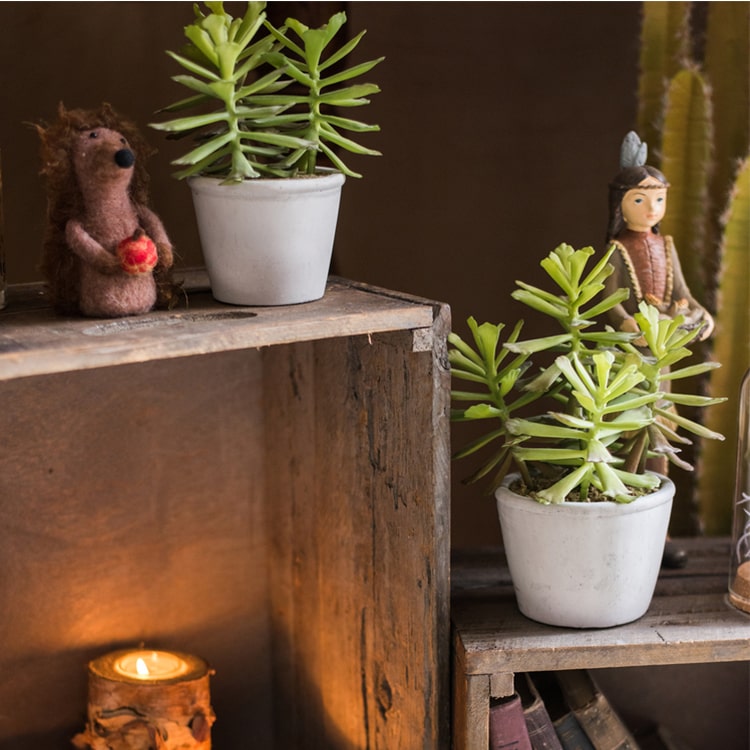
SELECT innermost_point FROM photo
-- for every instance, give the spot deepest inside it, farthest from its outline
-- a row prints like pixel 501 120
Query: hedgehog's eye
pixel 93 134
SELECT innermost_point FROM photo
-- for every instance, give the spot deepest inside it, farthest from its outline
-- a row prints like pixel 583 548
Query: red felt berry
pixel 137 255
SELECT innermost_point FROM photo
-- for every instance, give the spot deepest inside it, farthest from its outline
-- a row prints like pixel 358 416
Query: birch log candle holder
pixel 141 699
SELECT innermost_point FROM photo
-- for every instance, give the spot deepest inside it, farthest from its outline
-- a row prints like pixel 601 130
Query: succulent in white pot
pixel 575 416
pixel 268 156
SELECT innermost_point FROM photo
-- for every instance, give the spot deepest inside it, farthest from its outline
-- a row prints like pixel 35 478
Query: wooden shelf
pixel 690 621
pixel 266 488
pixel 35 341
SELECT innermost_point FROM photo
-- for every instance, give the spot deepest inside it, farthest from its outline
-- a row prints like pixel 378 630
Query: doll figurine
pixel 106 254
pixel 646 261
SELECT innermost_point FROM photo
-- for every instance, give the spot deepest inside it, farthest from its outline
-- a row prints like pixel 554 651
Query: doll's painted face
pixel 644 206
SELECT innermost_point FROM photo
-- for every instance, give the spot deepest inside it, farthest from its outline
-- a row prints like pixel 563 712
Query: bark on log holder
pixel 147 700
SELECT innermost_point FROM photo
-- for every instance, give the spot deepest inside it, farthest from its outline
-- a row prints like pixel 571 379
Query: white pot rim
pixel 601 509
pixel 323 181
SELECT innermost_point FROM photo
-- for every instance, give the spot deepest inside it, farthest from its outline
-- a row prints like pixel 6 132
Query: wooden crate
pixel 690 621
pixel 264 487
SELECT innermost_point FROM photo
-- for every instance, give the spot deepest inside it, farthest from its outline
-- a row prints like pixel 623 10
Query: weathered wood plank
pixel 471 722
pixel 35 341
pixel 357 472
pixel 706 631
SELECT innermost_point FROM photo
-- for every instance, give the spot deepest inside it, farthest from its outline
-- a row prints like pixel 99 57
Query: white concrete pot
pixel 267 241
pixel 584 565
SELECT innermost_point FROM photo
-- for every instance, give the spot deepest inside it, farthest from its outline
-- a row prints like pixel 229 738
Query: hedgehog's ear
pixel 108 115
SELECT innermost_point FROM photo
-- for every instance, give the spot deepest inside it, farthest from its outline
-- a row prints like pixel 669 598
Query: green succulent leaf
pixel 690 399
pixel 191 123
pixel 480 443
pixel 608 303
pixel 612 484
pixel 562 456
pixel 343 51
pixel 354 125
pixel 533 346
pixel 541 429
pixel 194 67
pixel 349 145
pixel 482 411
pixel 349 73
pixel 689 424
pixel 204 150
pixel 556 309
pixel 559 491
pixel 692 371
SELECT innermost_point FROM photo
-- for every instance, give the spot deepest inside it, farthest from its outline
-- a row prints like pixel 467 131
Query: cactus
pixel 695 114
pixel 728 67
pixel 732 349
pixel 686 161
pixel 664 48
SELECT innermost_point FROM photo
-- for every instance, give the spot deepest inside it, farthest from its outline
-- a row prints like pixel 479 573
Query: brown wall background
pixel 501 125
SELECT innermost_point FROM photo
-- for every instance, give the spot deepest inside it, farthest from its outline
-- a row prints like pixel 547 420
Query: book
pixel 508 725
pixel 595 714
pixel 567 727
pixel 542 733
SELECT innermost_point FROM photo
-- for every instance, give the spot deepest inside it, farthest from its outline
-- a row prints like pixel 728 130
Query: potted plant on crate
pixel 266 101
pixel 576 414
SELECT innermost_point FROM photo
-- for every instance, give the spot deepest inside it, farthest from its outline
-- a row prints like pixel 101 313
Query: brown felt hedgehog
pixel 106 254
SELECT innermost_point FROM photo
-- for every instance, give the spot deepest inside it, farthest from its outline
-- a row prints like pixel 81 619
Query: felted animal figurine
pixel 106 253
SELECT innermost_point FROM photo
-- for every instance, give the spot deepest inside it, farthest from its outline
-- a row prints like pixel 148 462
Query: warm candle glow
pixel 151 665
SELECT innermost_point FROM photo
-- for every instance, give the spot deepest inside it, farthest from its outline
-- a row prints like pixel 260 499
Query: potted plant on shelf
pixel 576 414
pixel 267 103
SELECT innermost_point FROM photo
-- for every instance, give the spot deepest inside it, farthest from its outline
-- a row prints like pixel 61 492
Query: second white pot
pixel 584 565
pixel 267 241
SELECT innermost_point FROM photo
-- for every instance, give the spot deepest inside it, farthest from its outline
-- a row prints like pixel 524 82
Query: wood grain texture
pixel 359 533
pixel 471 701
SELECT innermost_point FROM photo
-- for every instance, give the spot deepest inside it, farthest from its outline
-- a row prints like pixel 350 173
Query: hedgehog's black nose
pixel 125 158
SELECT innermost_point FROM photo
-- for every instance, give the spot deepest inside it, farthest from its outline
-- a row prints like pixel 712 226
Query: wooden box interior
pixel 267 490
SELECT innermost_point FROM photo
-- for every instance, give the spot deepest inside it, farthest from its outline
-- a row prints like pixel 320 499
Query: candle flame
pixel 141 667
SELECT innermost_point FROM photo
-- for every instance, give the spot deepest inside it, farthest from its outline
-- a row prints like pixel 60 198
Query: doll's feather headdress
pixel 633 152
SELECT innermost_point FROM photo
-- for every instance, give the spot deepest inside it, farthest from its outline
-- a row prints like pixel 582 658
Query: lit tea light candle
pixel 148 694
pixel 151 665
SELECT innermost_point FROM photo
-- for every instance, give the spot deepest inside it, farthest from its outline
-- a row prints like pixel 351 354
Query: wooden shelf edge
pixel 34 341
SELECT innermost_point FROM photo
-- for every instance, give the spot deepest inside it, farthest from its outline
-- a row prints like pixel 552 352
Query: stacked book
pixel 565 711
